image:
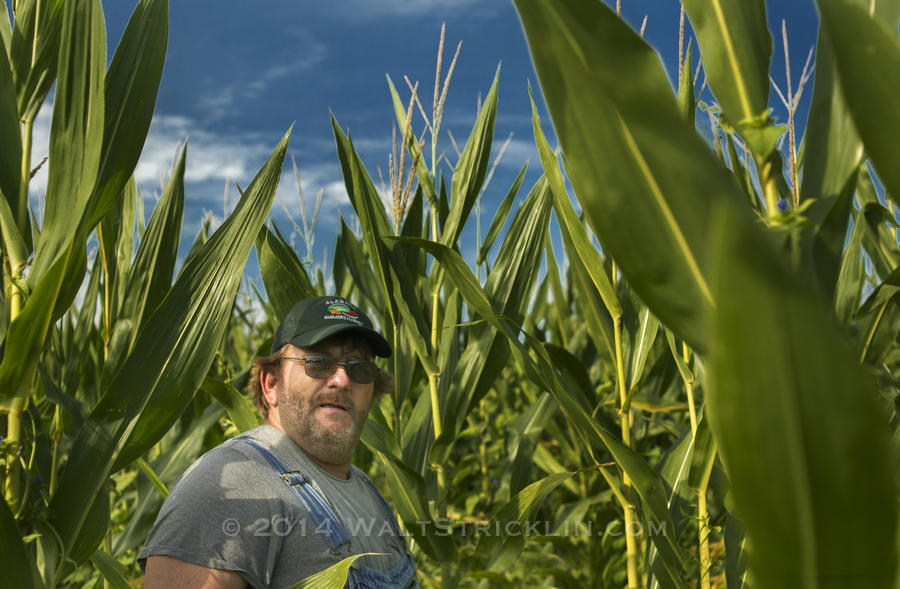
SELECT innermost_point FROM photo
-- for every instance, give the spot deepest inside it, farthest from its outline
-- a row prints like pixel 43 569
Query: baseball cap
pixel 312 320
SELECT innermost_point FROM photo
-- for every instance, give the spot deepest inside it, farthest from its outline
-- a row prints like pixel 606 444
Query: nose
pixel 340 378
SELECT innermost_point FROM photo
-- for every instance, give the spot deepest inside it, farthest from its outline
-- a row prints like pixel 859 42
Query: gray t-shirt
pixel 232 511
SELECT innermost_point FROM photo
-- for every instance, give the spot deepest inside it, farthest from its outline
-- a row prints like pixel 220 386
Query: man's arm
pixel 165 572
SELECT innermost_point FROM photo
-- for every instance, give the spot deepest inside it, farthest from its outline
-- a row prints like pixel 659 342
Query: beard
pixel 325 440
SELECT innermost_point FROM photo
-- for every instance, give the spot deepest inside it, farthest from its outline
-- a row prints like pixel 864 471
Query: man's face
pixel 324 416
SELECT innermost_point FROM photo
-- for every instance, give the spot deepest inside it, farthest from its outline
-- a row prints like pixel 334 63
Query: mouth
pixel 334 407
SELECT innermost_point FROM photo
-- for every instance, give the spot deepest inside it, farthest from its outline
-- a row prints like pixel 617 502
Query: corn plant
pixel 83 401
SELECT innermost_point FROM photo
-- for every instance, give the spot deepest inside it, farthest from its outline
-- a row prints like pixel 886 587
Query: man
pixel 282 501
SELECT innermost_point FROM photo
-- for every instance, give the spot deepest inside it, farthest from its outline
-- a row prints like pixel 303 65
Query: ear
pixel 268 382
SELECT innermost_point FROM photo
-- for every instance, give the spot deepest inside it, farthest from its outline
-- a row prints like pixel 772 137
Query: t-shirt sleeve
pixel 220 515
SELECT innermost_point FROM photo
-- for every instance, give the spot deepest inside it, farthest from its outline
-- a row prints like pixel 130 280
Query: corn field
pixel 697 386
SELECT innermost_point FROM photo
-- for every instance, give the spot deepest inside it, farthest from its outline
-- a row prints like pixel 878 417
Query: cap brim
pixel 380 346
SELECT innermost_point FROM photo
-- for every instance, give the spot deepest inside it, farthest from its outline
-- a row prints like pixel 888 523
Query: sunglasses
pixel 322 366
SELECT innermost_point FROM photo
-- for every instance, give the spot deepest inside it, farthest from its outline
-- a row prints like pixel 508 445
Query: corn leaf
pixel 409 498
pixel 643 177
pixel 866 53
pixel 170 358
pixel 14 560
pixel 10 160
pixel 736 46
pixel 335 576
pixel 572 229
pixel 111 569
pixel 34 51
pixel 850 277
pixel 803 438
pixel 76 131
pixel 132 83
pixel 282 273
pixel 151 272
pixel 470 171
pixel 239 406
pixel 500 217
pixel 505 547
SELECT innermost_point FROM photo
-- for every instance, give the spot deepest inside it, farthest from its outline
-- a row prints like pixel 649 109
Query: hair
pixel 384 381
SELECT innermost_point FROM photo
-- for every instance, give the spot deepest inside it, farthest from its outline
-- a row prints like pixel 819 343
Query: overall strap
pixel 323 516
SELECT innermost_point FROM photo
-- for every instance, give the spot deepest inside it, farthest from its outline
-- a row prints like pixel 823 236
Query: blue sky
pixel 238 74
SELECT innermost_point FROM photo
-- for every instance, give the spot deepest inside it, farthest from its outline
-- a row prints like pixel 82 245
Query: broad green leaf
pixel 501 217
pixel 850 277
pixel 644 178
pixel 735 45
pixel 505 547
pixel 34 50
pixel 10 162
pixel 239 406
pixel 111 569
pixel 76 131
pixel 5 31
pixel 409 498
pixel 802 438
pixel 170 357
pixel 831 148
pixel 468 177
pixel 642 343
pixel 703 456
pixel 151 272
pixel 878 239
pixel 570 226
pixel 26 334
pixel 94 529
pixel 14 560
pixel 866 53
pixel 282 273
pixel 335 576
pixel 132 83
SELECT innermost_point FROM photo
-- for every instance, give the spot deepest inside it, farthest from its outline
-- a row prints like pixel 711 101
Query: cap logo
pixel 342 310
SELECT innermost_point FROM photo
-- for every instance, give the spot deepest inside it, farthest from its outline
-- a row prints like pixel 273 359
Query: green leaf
pixel 643 176
pixel 14 560
pixel 500 217
pixel 282 273
pixel 34 51
pixel 850 277
pixel 239 406
pixel 151 272
pixel 76 131
pixel 132 84
pixel 408 497
pixel 111 569
pixel 736 46
pixel 504 548
pixel 170 357
pixel 470 171
pixel 642 343
pixel 799 426
pixel 866 52
pixel 703 456
pixel 570 226
pixel 335 576
pixel 10 161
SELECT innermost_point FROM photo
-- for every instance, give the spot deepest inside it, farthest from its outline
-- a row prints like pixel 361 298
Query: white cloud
pixel 386 8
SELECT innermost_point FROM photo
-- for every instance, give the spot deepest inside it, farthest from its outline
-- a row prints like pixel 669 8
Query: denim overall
pixel 403 575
